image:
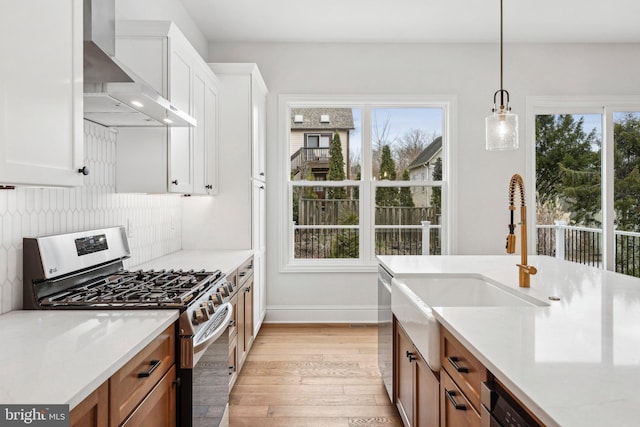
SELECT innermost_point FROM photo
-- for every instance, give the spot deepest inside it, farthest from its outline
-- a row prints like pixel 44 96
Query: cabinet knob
pixel 261 173
pixel 208 186
pixel 84 170
pixel 262 187
pixel 174 182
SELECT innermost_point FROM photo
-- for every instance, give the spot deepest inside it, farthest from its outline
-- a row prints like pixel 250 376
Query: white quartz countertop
pixel 575 362
pixel 225 261
pixel 61 356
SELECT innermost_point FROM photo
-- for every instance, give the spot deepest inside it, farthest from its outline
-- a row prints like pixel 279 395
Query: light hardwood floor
pixel 312 376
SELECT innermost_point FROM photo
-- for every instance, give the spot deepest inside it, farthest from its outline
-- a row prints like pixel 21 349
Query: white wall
pixel 163 10
pixel 469 72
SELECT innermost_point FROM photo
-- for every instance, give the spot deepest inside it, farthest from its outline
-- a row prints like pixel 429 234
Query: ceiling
pixel 412 21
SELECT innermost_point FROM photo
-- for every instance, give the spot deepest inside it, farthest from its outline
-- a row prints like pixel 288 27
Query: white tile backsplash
pixel 28 212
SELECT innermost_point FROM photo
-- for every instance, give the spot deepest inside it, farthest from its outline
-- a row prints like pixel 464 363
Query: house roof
pixel 339 118
pixel 427 154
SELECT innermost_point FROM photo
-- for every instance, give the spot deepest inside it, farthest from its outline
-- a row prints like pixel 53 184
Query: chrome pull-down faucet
pixel 525 270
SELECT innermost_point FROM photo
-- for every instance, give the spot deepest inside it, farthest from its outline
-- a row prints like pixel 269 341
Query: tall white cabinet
pixel 235 218
pixel 41 124
pixel 173 160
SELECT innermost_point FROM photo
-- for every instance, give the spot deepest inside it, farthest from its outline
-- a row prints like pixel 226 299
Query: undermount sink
pixel 412 298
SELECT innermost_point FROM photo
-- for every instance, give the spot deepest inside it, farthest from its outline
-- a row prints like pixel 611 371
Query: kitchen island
pixel 574 362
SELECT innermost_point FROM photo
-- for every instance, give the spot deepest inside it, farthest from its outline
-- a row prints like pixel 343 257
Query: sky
pixel 401 120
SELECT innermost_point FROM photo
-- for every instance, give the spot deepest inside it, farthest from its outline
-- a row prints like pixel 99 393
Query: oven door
pixel 207 382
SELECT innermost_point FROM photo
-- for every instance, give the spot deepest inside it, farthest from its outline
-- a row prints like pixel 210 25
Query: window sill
pixel 318 266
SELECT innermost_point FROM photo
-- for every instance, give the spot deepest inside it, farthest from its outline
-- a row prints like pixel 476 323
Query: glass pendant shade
pixel 502 131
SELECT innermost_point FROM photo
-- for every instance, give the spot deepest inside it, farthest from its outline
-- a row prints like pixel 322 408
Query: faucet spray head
pixel 511 242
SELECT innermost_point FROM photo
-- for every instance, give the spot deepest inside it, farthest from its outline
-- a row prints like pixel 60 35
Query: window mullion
pixel 367 241
pixel 608 150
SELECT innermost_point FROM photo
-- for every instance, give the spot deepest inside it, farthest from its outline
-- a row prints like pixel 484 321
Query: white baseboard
pixel 322 314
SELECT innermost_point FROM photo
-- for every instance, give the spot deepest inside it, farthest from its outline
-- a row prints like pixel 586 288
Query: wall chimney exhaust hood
pixel 115 96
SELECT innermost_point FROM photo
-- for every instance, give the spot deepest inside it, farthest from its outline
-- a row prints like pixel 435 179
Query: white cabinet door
pixel 259 291
pixel 205 134
pixel 258 128
pixel 199 133
pixel 180 142
pixel 41 128
pixel 259 214
pixel 211 139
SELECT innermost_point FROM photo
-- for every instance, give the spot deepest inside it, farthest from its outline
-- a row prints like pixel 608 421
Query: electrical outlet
pixel 130 229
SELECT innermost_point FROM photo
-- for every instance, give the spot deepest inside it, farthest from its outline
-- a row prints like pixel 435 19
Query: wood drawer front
pixel 463 416
pixel 158 409
pixel 245 271
pixel 127 389
pixel 469 374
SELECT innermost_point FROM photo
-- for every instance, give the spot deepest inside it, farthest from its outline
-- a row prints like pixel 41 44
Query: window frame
pixel 603 105
pixel 367 262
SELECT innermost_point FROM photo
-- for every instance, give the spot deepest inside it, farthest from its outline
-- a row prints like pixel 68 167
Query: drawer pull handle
pixel 454 362
pixel 154 365
pixel 459 406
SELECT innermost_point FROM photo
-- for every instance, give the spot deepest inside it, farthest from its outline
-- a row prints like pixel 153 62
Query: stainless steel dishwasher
pixel 385 329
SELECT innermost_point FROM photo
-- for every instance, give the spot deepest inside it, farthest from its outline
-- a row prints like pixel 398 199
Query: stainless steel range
pixel 85 270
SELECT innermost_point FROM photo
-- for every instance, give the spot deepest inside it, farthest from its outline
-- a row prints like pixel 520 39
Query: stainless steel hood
pixel 114 95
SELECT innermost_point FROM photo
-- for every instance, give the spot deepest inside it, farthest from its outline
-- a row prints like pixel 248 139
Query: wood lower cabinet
pixel 241 333
pixel 417 387
pixel 245 310
pixel 92 411
pixel 141 393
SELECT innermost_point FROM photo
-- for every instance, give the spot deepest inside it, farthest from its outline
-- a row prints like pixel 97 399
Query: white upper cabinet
pixel 41 124
pixel 176 160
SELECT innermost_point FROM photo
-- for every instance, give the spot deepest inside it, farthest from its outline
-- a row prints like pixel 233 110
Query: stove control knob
pixel 225 291
pixel 200 316
pixel 230 287
pixel 217 298
pixel 210 307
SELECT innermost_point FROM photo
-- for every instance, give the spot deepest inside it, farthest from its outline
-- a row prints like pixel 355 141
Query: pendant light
pixel 502 124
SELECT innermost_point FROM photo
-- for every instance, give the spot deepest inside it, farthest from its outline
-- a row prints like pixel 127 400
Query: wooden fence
pixel 332 212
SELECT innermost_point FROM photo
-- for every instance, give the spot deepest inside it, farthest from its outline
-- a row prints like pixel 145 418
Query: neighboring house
pixel 312 130
pixel 421 169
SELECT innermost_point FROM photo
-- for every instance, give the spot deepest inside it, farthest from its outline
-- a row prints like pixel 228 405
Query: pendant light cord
pixel 501 86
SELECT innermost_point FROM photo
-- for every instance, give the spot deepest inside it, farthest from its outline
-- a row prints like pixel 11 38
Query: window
pixel 383 167
pixel 587 157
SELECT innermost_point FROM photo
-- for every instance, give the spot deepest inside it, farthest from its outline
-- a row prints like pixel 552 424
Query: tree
pixel 336 168
pixel 406 199
pixel 568 165
pixel 409 147
pixel 387 196
pixel 627 172
pixel 380 138
pixel 436 194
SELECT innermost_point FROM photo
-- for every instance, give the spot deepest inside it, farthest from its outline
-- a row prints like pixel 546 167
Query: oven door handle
pixel 213 336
